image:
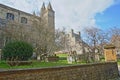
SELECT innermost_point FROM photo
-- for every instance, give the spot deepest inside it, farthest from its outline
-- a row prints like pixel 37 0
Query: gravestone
pixel 97 57
pixel 69 59
pixel 110 53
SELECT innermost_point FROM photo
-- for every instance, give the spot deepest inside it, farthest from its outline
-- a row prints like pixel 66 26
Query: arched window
pixel 10 16
pixel 23 20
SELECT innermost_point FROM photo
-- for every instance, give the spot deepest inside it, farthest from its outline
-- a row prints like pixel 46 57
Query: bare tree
pixel 96 38
pixel 115 37
pixel 61 39
pixel 43 39
pixel 104 38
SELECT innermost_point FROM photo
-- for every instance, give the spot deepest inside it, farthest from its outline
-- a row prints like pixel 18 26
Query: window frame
pixel 24 20
pixel 10 16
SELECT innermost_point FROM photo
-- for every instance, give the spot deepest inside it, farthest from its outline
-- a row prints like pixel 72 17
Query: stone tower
pixel 47 16
pixel 42 11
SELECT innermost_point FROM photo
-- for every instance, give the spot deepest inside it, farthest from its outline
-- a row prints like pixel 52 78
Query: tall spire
pixel 43 6
pixel 49 7
pixel 42 9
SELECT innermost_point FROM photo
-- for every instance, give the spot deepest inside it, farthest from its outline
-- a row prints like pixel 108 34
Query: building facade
pixel 76 43
pixel 13 21
pixel 77 48
pixel 37 30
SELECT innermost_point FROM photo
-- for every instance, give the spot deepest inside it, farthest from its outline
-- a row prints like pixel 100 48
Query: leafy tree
pixel 17 50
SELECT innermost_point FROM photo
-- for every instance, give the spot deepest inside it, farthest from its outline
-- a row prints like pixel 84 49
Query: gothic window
pixel 23 20
pixel 10 16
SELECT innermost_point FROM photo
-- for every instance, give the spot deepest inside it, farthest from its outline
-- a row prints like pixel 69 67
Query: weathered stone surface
pixel 26 23
pixel 110 55
pixel 98 71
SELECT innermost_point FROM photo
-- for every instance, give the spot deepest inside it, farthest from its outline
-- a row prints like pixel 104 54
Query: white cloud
pixel 25 5
pixel 80 13
pixel 74 14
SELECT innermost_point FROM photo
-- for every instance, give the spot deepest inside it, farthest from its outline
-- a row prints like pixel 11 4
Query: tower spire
pixel 49 7
pixel 43 6
pixel 42 9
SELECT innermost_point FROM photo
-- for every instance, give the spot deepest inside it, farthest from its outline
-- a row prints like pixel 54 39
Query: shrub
pixel 17 51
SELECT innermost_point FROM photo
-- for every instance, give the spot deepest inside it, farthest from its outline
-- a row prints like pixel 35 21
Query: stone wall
pixel 17 14
pixel 27 25
pixel 98 71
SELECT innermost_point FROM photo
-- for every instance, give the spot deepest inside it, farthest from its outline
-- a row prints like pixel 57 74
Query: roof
pixel 10 8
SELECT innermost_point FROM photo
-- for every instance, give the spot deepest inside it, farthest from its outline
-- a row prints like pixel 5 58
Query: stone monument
pixel 110 53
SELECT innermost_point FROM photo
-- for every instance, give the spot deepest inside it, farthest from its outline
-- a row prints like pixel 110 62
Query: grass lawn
pixel 3 65
pixel 62 55
pixel 118 61
pixel 35 64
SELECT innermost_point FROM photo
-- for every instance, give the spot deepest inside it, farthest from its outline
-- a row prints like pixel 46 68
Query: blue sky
pixel 110 17
pixel 75 14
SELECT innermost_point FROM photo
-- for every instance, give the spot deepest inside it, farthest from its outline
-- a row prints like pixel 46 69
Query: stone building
pixel 37 30
pixel 23 22
pixel 77 48
pixel 76 43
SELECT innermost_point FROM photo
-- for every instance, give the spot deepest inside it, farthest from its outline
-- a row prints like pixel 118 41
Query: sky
pixel 75 14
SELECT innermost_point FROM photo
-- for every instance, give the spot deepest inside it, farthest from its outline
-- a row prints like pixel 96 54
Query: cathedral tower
pixel 43 10
pixel 48 17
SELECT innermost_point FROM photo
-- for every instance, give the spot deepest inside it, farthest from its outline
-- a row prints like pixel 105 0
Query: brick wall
pixel 98 71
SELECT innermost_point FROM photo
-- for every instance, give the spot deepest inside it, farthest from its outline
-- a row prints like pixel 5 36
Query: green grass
pixel 3 65
pixel 62 55
pixel 35 64
pixel 118 61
